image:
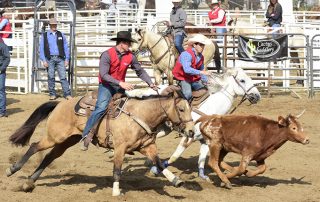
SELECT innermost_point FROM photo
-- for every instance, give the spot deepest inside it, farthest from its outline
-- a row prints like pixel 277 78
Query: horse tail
pixel 23 134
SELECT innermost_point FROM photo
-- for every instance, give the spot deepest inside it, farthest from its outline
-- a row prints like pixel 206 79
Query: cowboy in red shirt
pixel 189 68
pixel 113 66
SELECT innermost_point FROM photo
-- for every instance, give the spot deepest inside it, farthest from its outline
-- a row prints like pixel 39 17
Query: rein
pixel 245 97
pixel 156 61
pixel 181 122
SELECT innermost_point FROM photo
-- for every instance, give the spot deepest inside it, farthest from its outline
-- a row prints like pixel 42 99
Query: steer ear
pixel 282 121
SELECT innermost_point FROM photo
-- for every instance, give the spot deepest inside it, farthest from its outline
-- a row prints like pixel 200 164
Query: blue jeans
pixel 275 34
pixel 187 88
pixel 2 93
pixel 220 31
pixel 105 94
pixel 56 63
pixel 178 41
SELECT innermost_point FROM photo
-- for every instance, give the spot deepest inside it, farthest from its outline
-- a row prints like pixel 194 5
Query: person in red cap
pixel 113 66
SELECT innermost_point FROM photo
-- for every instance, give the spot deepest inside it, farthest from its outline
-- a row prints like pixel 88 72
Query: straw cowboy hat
pixel 124 36
pixel 199 38
pixel 53 21
pixel 176 1
pixel 214 1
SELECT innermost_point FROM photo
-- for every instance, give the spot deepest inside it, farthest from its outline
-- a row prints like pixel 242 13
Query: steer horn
pixel 298 116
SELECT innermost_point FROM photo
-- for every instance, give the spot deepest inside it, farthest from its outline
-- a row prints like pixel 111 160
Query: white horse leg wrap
pixel 204 149
pixel 116 189
pixel 168 174
pixel 180 149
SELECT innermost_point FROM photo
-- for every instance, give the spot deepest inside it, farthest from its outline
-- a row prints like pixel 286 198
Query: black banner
pixel 263 50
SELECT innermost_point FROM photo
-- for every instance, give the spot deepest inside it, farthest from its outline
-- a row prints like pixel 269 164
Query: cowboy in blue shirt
pixel 54 54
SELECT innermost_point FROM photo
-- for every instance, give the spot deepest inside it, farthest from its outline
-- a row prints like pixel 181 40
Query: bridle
pixel 154 61
pixel 247 96
pixel 181 124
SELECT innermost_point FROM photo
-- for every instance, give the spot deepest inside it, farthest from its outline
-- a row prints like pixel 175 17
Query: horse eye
pixel 294 128
pixel 139 39
pixel 242 81
pixel 181 109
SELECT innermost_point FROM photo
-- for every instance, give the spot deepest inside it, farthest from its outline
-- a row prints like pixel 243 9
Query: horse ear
pixel 141 32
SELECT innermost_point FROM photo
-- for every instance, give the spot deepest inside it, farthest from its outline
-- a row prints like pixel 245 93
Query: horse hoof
pixel 226 185
pixel 28 186
pixel 117 193
pixel 177 182
pixel 205 177
pixel 8 172
pixel 154 171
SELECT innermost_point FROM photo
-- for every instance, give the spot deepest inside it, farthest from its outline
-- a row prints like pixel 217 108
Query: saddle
pixel 199 96
pixel 86 105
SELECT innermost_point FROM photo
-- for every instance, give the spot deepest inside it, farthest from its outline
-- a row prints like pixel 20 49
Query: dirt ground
pixel 292 173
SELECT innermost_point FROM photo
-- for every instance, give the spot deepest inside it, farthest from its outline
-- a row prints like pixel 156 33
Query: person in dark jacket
pixel 54 54
pixel 4 62
pixel 274 16
pixel 178 20
pixel 113 66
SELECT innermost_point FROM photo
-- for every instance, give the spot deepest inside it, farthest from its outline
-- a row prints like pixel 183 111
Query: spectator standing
pixel 5 26
pixel 274 16
pixel 4 62
pixel 55 56
pixel 178 20
pixel 112 13
pixel 217 17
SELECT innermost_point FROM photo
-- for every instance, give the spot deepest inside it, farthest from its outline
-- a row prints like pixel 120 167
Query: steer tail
pixel 23 134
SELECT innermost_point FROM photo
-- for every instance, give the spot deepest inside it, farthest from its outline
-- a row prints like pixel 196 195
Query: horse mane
pixel 165 91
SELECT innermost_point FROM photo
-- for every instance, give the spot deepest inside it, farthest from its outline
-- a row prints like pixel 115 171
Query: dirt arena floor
pixel 293 172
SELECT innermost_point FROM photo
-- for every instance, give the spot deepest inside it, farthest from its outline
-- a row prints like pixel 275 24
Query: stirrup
pixel 86 141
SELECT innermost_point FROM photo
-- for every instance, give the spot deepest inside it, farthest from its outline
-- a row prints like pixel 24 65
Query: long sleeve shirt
pixel 3 23
pixel 53 47
pixel 185 60
pixel 277 15
pixel 178 20
pixel 4 57
pixel 104 67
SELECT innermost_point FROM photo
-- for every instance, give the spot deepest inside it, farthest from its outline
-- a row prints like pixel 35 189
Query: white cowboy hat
pixel 214 1
pixel 176 1
pixel 199 38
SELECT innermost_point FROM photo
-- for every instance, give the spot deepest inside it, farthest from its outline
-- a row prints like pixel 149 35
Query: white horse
pixel 163 53
pixel 232 83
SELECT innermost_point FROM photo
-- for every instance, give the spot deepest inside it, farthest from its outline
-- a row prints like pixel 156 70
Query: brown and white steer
pixel 253 137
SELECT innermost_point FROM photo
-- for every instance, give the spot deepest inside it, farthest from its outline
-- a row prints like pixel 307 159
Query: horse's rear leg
pixel 55 153
pixel 151 152
pixel 34 148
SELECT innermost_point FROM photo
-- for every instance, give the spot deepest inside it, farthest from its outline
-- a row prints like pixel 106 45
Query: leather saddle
pixel 199 96
pixel 87 103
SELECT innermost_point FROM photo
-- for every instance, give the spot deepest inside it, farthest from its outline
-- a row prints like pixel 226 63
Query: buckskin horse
pixel 64 129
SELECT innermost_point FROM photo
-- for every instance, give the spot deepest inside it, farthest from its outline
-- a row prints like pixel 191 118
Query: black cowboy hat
pixel 124 36
pixel 2 11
